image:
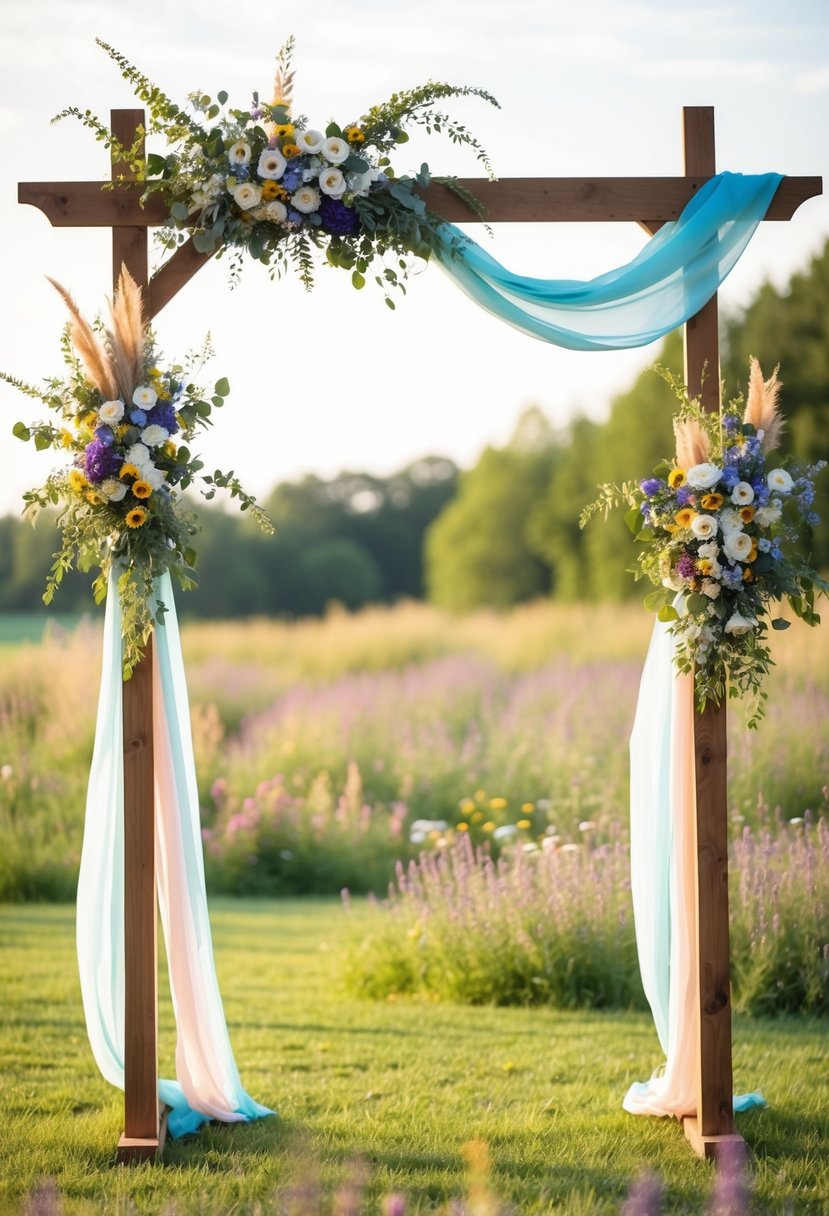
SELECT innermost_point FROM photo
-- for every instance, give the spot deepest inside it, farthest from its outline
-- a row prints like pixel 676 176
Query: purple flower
pixel 105 434
pixel 340 220
pixel 163 414
pixel 684 495
pixel 731 423
pixel 685 566
pixel 291 177
pixel 651 486
pixel 101 461
pixel 645 510
pixel 294 216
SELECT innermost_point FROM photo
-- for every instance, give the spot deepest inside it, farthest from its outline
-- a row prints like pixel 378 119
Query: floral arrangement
pixel 127 422
pixel 265 180
pixel 718 526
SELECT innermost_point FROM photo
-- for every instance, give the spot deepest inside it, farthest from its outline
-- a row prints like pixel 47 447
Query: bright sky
pixel 334 380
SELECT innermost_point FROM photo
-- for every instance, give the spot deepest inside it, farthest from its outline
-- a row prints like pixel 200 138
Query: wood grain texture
pixel 129 244
pixel 169 279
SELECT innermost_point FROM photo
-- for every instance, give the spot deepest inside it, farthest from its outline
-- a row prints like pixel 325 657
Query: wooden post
pixel 143 1136
pixel 715 1113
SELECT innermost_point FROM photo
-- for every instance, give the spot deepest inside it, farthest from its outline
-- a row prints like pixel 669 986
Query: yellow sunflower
pixel 283 130
pixel 354 135
pixel 77 481
pixel 129 470
pixel 290 150
pixel 747 514
pixel 712 502
pixel 676 478
pixel 141 489
pixel 136 517
pixel 685 517
pixel 93 498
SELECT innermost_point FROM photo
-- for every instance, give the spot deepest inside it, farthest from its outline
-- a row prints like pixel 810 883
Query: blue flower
pixel 164 414
pixel 650 486
pixel 684 495
pixel 764 544
pixel 138 417
pixel 291 178
pixel 730 477
pixel 731 423
pixel 812 519
pixel 296 217
pixel 105 434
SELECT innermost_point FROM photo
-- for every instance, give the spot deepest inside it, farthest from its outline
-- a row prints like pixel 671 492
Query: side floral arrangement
pixel 719 528
pixel 265 180
pixel 127 422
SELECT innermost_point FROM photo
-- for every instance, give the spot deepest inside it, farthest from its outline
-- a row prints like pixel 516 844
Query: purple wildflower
pixel 163 414
pixel 106 434
pixel 684 495
pixel 685 566
pixel 652 485
pixel 340 220
pixel 731 423
pixel 101 461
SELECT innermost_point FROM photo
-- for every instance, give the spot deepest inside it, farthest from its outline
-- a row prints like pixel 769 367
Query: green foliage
pixel 478 552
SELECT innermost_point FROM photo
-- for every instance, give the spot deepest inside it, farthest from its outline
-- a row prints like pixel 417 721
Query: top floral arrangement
pixel 265 180
pixel 719 527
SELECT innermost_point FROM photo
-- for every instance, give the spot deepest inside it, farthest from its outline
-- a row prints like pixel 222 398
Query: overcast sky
pixel 334 380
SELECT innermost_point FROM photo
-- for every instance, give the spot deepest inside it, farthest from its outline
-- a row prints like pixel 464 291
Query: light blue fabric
pixel 100 901
pixel 677 272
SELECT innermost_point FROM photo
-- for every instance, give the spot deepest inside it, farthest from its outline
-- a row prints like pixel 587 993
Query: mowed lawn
pixel 399 1087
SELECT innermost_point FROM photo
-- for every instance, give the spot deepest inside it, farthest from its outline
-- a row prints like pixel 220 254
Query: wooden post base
pixel 707 1146
pixel 132 1150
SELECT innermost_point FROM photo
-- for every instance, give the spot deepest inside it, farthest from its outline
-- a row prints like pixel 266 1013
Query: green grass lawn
pixel 400 1086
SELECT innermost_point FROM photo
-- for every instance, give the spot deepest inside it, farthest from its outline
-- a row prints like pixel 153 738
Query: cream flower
pixel 768 514
pixel 239 153
pixel 276 212
pixel 139 455
pixel 711 550
pixel 739 624
pixel 145 398
pixel 111 412
pixel 360 183
pixel 704 526
pixel 742 494
pixel 310 141
pixel 332 183
pixel 306 199
pixel 730 521
pixel 703 476
pixel 113 489
pixel 154 477
pixel 711 588
pixel 779 480
pixel 246 195
pixel 154 435
pixel 737 546
pixel 335 150
pixel 271 164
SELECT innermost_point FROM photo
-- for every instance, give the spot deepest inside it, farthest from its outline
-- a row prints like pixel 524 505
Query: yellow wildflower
pixel 289 150
pixel 170 449
pixel 477 817
pixel 76 480
pixel 498 804
pixel 354 135
pixel 489 826
pixel 283 130
pixel 136 517
pixel 93 498
pixel 480 795
pixel 462 827
pixel 65 437
pixel 528 807
pixel 120 431
pixel 705 565
pixel 523 824
pixel 467 806
pixel 685 517
pixel 129 470
pixel 712 502
pixel 676 478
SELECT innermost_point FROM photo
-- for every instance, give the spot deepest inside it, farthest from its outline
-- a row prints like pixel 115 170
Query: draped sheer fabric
pixel 208 1084
pixel 677 271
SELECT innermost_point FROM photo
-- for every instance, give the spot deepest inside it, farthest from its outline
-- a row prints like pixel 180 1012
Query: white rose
pixel 742 494
pixel 154 477
pixel 703 476
pixel 246 195
pixel 310 140
pixel 111 412
pixel 737 546
pixel 704 526
pixel 239 153
pixel 276 212
pixel 673 582
pixel 335 150
pixel 306 199
pixel 153 436
pixel 740 624
pixel 271 164
pixel 144 397
pixel 113 489
pixel 769 514
pixel 730 521
pixel 139 455
pixel 360 183
pixel 779 480
pixel 332 183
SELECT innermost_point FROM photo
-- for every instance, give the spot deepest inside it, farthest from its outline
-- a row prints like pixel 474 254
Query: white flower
pixel 154 477
pixel 360 183
pixel 332 183
pixel 111 412
pixel 144 397
pixel 429 825
pixel 246 195
pixel 276 212
pixel 737 546
pixel 335 150
pixel 769 514
pixel 271 164
pixel 673 582
pixel 139 455
pixel 703 476
pixel 154 435
pixel 730 521
pixel 113 489
pixel 780 480
pixel 310 140
pixel 710 588
pixel 742 494
pixel 505 832
pixel 306 199
pixel 740 624
pixel 239 153
pixel 704 526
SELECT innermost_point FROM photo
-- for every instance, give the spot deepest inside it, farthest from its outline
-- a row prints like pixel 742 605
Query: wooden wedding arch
pixel 648 201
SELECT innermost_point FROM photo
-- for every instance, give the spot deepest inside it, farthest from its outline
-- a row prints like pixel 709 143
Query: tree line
pixel 501 532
